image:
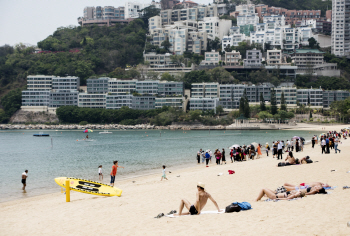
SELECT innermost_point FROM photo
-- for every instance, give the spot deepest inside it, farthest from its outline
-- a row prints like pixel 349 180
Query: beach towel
pixel 244 205
pixel 202 213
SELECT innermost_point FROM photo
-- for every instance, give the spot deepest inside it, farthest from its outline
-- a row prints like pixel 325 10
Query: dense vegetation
pixel 79 51
pixel 127 116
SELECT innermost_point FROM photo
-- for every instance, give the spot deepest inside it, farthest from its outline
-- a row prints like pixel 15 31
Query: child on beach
pixel 163 174
pixel 114 172
pixel 100 175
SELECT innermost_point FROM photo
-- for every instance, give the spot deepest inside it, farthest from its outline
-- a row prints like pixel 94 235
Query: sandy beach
pixel 145 197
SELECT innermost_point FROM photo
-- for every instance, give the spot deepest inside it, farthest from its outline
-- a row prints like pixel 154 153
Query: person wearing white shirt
pixel 323 145
pixel 24 179
pixel 336 142
pixel 279 150
pixel 288 145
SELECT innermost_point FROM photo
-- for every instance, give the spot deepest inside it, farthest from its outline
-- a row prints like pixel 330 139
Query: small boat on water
pixel 105 132
pixel 41 134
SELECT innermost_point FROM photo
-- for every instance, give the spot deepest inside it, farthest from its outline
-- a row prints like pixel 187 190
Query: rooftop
pixel 308 51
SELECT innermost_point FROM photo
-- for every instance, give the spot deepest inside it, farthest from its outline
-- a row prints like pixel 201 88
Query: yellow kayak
pixel 89 186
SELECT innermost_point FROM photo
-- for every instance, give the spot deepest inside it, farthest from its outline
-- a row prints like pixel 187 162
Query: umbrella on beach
pixel 254 144
pixel 234 146
pixel 88 131
pixel 302 139
pixel 295 137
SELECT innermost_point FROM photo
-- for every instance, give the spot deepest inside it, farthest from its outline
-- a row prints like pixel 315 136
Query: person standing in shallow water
pixel 24 179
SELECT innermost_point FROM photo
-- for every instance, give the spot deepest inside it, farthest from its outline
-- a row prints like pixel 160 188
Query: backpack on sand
pixel 232 208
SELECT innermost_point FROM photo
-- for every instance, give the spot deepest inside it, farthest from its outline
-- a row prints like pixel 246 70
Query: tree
pixel 262 102
pixel 149 12
pixel 310 115
pixel 273 102
pixel 219 110
pixel 283 102
pixel 167 76
pixel 246 108
pixel 263 115
pixel 166 44
pixel 313 43
pixel 241 106
pixel 177 59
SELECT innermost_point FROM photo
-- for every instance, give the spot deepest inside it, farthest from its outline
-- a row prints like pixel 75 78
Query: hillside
pixel 74 51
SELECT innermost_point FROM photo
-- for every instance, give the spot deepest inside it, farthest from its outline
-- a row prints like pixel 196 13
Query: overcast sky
pixel 30 21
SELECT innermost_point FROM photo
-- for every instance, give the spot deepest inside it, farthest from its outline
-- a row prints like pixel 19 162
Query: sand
pixel 133 213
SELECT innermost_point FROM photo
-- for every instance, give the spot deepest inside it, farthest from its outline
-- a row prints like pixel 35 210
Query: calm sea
pixel 139 151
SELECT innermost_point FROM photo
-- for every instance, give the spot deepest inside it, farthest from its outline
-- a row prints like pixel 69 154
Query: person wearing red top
pixel 114 172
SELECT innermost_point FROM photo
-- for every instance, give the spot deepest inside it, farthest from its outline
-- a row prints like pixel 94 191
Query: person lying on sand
pixel 290 160
pixel 305 185
pixel 279 196
pixel 201 201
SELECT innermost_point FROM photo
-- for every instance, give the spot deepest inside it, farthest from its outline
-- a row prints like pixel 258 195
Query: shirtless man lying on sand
pixel 201 200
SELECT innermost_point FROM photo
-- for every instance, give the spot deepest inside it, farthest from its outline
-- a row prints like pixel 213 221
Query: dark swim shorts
pixel 193 210
pixel 23 181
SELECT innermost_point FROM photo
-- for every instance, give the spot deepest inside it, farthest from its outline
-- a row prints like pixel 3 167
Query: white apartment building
pixel 305 34
pixel 116 101
pixel 197 13
pixel 291 38
pixel 214 27
pixel 235 30
pixel 246 9
pixel 92 100
pixel 158 60
pixel 306 58
pixel 232 40
pixel 132 9
pixel 290 94
pixel 211 58
pixel 178 39
pixel 274 37
pixel 204 104
pixel 248 20
pixel 253 58
pixel 312 97
pixel 205 90
pixel 273 57
pixel 154 22
pixel 119 86
pixel 278 19
pixel 340 27
pixel 257 37
pixel 169 101
pixel 197 42
pixel 233 58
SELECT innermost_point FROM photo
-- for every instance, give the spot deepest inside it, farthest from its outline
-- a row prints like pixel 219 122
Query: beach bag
pixel 268 148
pixel 244 205
pixel 232 208
pixel 231 172
pixel 309 161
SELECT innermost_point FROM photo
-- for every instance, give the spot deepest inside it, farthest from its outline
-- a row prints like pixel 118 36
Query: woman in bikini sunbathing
pixel 280 196
pixel 290 187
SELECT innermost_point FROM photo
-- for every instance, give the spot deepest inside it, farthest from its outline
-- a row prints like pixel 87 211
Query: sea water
pixel 66 154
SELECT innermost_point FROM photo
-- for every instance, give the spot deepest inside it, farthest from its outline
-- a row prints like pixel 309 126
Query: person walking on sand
pixel 313 140
pixel 336 142
pixel 259 151
pixel 323 145
pixel 279 150
pixel 163 174
pixel 199 154
pixel 267 149
pixel 100 175
pixel 114 172
pixel 218 156
pixel 201 200
pixel 207 158
pixel 24 179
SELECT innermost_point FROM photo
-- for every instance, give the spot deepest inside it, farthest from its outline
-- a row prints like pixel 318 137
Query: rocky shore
pixel 253 126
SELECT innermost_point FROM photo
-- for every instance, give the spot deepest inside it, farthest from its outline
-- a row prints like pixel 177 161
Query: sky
pixel 31 21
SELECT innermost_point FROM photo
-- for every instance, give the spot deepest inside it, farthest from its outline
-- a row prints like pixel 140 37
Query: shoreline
pixel 134 175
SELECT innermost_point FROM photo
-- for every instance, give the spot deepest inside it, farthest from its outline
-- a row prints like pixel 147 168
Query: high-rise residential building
pixel 233 58
pixel 103 16
pixel 253 58
pixel 340 42
pixel 211 58
pixel 133 9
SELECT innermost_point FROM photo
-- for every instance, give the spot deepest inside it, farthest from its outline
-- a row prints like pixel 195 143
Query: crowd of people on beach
pixel 328 141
